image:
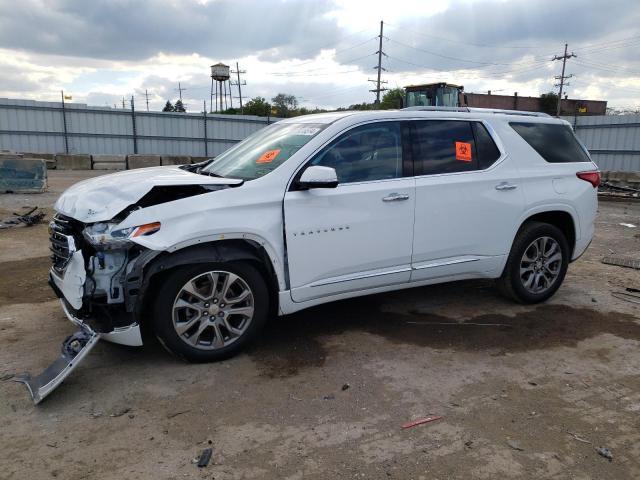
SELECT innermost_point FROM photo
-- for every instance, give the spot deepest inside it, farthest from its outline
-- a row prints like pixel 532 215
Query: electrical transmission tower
pixel 146 95
pixel 239 84
pixel 379 67
pixel 562 76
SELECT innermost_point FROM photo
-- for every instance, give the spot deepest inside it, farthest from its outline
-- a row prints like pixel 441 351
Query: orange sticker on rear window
pixel 463 151
pixel 268 157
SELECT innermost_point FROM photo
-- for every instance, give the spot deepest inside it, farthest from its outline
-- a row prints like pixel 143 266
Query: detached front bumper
pixel 69 286
pixel 65 287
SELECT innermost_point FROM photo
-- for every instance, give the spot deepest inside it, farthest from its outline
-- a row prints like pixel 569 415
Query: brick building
pixel 569 106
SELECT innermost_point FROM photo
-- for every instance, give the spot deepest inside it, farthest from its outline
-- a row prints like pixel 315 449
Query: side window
pixel 443 146
pixel 488 152
pixel 555 142
pixel 365 153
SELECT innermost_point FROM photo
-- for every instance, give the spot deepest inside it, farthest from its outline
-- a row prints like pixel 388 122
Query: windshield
pixel 264 151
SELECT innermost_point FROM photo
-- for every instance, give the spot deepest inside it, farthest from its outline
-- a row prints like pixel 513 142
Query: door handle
pixel 395 197
pixel 506 186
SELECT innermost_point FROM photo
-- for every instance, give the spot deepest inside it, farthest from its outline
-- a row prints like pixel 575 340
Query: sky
pixel 321 51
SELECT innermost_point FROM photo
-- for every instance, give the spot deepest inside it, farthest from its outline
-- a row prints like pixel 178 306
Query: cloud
pixel 322 51
pixel 135 30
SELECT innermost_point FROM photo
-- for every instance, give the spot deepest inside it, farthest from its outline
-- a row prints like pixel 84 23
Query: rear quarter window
pixel 554 142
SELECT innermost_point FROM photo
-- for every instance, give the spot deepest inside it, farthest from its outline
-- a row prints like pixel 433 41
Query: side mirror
pixel 316 176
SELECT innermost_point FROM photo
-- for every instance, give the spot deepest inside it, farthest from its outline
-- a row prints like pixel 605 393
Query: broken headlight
pixel 109 236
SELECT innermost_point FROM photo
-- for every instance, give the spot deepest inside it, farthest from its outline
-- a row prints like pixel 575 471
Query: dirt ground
pixel 324 392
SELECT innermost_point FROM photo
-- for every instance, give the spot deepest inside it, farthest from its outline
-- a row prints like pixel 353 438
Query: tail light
pixel 593 177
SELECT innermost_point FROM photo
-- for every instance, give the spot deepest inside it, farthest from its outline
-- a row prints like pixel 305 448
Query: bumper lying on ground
pixel 73 350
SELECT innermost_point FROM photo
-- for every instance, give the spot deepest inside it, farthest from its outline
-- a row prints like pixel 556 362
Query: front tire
pixel 537 263
pixel 209 312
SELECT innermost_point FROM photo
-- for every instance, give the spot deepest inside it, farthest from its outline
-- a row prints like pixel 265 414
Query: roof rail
pixel 507 112
pixel 439 109
pixel 478 110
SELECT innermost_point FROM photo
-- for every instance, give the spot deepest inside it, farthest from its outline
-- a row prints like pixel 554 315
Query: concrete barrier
pixel 73 162
pixel 142 161
pixel 109 162
pixel 631 179
pixel 50 158
pixel 21 175
pixel 175 160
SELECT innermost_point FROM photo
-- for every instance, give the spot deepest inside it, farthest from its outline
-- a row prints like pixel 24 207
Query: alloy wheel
pixel 213 310
pixel 540 265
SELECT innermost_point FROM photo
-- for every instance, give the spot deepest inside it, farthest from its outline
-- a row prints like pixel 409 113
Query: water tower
pixel 220 75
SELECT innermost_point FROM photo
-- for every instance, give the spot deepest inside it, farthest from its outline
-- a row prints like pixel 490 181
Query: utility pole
pixel 562 77
pixel 239 85
pixel 123 103
pixel 180 89
pixel 146 95
pixel 378 82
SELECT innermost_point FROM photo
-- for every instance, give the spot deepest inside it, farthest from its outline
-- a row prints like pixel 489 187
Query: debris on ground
pixel 621 262
pixel 345 386
pixel 607 189
pixel 120 412
pixel 628 225
pixel 514 445
pixel 205 457
pixel 461 324
pixel 27 219
pixel 329 397
pixel 175 414
pixel 628 297
pixel 420 421
pixel 605 452
pixel 578 438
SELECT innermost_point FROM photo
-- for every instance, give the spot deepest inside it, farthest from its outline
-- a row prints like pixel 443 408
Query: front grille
pixel 63 240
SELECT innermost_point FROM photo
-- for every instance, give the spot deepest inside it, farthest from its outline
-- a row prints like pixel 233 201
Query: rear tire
pixel 210 312
pixel 537 263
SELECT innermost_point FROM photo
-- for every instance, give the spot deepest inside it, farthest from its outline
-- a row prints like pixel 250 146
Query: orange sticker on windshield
pixel 463 151
pixel 268 157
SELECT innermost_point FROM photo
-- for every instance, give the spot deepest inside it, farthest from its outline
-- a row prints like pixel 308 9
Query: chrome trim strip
pixel 445 263
pixel 322 283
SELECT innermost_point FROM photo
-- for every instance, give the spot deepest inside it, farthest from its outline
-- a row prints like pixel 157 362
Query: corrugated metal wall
pixel 612 140
pixel 30 126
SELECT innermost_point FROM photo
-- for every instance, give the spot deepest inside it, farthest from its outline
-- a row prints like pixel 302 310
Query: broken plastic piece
pixel 605 452
pixel 205 457
pixel 73 350
pixel 420 421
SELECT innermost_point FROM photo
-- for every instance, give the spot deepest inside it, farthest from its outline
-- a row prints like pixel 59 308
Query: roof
pixel 355 116
pixel 436 84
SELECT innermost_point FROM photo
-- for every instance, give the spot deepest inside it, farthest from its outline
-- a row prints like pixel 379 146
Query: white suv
pixel 319 208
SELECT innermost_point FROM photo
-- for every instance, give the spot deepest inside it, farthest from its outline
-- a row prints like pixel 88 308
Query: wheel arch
pixel 563 219
pixel 146 276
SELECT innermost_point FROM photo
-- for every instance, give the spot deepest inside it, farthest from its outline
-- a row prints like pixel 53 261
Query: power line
pixel 466 43
pixel 562 76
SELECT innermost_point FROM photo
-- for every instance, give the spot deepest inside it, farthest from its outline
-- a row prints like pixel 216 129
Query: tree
pixel 168 107
pixel 179 107
pixel 549 103
pixel 285 104
pixel 257 106
pixel 393 98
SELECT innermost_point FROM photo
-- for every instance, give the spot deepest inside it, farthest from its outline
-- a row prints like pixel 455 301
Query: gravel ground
pixel 324 392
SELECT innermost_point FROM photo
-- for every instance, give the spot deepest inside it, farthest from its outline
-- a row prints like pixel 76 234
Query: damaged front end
pixel 89 275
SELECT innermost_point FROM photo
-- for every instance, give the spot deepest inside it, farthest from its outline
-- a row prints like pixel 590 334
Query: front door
pixel 358 235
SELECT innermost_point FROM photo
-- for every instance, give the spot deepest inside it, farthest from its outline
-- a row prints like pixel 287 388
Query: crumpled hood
pixel 101 198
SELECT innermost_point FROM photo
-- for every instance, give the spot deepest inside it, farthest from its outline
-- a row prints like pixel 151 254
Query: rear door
pixel 358 235
pixel 468 199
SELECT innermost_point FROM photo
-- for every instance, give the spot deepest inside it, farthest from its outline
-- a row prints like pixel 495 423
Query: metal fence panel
pixel 612 140
pixel 39 127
